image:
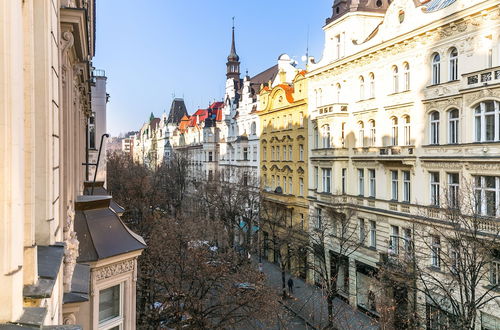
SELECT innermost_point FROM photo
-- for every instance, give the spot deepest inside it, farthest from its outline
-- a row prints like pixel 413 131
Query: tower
pixel 233 61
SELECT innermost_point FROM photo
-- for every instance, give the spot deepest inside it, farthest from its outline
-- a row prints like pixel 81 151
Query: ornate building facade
pixel 45 79
pixel 402 107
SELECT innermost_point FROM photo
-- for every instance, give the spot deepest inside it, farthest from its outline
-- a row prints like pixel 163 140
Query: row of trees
pixel 201 234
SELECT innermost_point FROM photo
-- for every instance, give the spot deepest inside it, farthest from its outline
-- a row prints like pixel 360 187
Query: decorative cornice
pixel 114 269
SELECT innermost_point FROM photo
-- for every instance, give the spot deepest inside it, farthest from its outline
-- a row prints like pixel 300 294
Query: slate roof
pixel 101 232
pixel 177 111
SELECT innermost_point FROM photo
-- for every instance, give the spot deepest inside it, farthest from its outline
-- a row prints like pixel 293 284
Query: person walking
pixel 290 285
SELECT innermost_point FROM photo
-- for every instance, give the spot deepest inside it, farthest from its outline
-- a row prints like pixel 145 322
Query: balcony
pixel 329 153
pixel 384 153
pixel 481 78
pixel 397 263
pixel 332 109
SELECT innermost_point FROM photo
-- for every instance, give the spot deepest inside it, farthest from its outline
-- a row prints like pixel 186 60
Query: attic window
pixel 337 10
pixel 379 3
pixel 401 16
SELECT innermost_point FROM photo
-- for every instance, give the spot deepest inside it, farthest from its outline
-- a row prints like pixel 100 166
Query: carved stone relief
pixel 114 269
pixel 70 250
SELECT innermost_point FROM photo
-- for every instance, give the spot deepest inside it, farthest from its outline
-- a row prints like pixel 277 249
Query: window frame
pixel 453 64
pixel 434 127
pixel 361 182
pixel 117 320
pixel 453 126
pixel 372 177
pixel 434 191
pixel 436 69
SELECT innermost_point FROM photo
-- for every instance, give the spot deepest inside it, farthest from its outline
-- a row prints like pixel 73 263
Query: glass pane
pixel 490 127
pixel 490 203
pixel 109 303
pixel 489 106
pixel 490 181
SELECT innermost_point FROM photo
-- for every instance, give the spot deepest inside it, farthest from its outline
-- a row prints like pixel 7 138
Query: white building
pixel 402 107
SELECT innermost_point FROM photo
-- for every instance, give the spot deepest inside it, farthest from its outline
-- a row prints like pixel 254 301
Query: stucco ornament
pixel 68 3
pixel 71 249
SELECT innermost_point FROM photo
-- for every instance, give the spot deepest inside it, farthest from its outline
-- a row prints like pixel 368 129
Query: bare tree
pixel 454 257
pixel 334 235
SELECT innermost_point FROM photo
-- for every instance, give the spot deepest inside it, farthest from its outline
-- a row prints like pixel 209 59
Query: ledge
pixel 49 265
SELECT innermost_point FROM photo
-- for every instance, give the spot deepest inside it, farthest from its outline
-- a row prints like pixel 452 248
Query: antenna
pixel 233 22
pixel 307 47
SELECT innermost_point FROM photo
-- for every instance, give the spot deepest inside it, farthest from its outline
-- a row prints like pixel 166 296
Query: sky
pixel 153 50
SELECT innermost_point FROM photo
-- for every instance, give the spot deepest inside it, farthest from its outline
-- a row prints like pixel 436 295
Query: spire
pixel 233 60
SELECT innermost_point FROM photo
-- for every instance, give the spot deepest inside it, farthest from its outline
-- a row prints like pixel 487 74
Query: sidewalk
pixel 308 303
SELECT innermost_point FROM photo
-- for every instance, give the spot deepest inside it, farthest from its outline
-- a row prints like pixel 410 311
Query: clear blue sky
pixel 152 49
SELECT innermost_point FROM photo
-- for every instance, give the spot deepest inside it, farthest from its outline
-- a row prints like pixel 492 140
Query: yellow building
pixel 283 161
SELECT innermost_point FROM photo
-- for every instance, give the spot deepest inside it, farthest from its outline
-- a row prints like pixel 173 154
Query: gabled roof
pixel 177 111
pixel 264 77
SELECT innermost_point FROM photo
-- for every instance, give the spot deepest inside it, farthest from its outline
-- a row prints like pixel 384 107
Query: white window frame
pixel 434 119
pixel 290 185
pixel 373 133
pixel 434 179
pixel 453 68
pixel 453 126
pixel 406 73
pixel 394 185
pixel 325 136
pixel 327 180
pixel 394 131
pixel 453 189
pixel 361 181
pixel 361 88
pixel 481 192
pixel 361 134
pixel 394 240
pixel 406 186
pixel 481 114
pixel 372 177
pixel 344 181
pixel 116 321
pixel 301 186
pixel 436 69
pixel 395 80
pixel 373 234
pixel 436 252
pixel 362 232
pixel 495 272
pixel 301 152
pixel 407 130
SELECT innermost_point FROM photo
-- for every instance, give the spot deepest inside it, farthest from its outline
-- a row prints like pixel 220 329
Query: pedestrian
pixel 290 285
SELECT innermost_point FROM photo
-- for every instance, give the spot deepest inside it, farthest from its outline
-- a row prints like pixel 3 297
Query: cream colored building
pixel 404 106
pixel 45 73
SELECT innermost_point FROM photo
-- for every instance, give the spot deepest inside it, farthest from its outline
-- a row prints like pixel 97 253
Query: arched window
pixel 325 133
pixel 486 121
pixel 453 64
pixel 373 133
pixel 361 88
pixel 394 131
pixel 436 69
pixel 407 131
pixel 453 129
pixel 338 90
pixel 395 79
pixel 406 68
pixel 434 127
pixel 316 138
pixel 372 85
pixel 361 134
pixel 253 128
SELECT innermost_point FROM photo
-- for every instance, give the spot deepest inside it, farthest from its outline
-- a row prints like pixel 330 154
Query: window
pixel 301 152
pixel 436 69
pixel 301 186
pixel 301 119
pixel 272 153
pixel 273 182
pixel 362 231
pixel 91 132
pixel 373 182
pixel 316 138
pixel 319 218
pixel 253 128
pixel 325 136
pixel 372 85
pixel 316 175
pixel 278 181
pixel 338 89
pixel 406 186
pixel 342 135
pixel 245 154
pixel 394 131
pixel 255 154
pixel 284 153
pixel 264 153
pixel 453 73
pixel 436 251
pixel 284 184
pixel 110 307
pixel 327 174
pixel 487 193
pixel 290 121
pixel 395 79
pixel 394 185
pixel 407 131
pixel 361 134
pixel 434 127
pixel 373 234
pixel 434 188
pixel 453 126
pixel 361 88
pixel 394 240
pixel 361 178
pixel 406 73
pixel 344 181
pixel 407 242
pixel 290 153
pixel 290 186
pixel 373 133
pixel 278 154
pixel 487 117
pixel 337 45
pixel 495 272
pixel 453 186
